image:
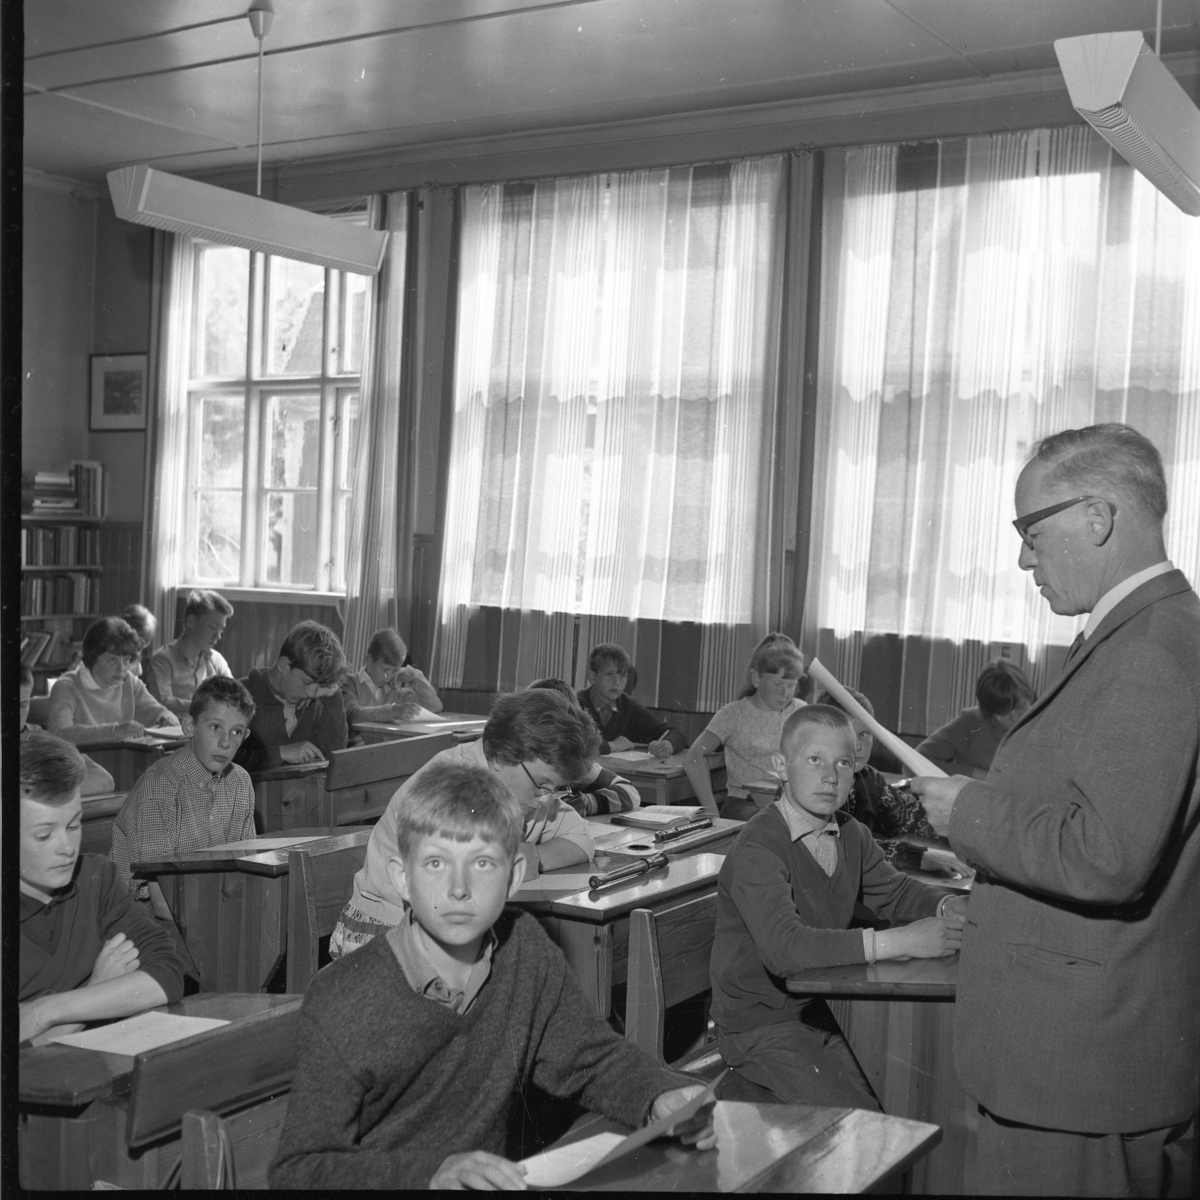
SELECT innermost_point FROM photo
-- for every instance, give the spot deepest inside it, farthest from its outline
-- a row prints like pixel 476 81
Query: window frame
pixel 334 387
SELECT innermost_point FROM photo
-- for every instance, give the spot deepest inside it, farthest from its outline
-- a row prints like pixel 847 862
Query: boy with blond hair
pixel 414 1051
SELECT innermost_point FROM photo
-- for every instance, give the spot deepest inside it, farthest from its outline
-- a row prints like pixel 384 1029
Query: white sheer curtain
pixel 614 406
pixel 165 524
pixel 976 296
pixel 379 524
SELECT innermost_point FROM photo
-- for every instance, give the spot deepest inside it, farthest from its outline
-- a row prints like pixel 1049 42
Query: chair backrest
pixel 250 1059
pixel 362 779
pixel 318 887
pixel 230 1152
pixel 669 952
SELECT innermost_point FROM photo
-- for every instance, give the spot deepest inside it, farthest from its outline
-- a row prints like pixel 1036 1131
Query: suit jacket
pixel 1078 1003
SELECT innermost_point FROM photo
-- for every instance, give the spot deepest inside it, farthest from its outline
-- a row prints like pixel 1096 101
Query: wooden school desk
pixel 125 759
pixel 592 928
pixel 389 731
pixel 231 905
pixel 767 1148
pixel 663 780
pixel 898 1018
pixel 99 813
pixel 351 788
pixel 87 1116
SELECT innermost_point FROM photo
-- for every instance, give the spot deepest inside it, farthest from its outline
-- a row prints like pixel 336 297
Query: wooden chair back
pixel 233 1151
pixel 256 1058
pixel 318 887
pixel 362 779
pixel 669 952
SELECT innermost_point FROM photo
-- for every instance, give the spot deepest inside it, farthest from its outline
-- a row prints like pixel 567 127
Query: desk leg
pixel 589 953
pixel 906 1050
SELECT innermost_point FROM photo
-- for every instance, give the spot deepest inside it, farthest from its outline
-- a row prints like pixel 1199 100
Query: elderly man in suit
pixel 1077 1021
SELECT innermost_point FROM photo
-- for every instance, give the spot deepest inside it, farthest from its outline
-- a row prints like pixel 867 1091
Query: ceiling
pixel 173 83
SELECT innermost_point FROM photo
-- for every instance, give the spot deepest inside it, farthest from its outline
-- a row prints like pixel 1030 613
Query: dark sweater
pixel 321 721
pixel 630 720
pixel 60 940
pixel 388 1084
pixel 778 913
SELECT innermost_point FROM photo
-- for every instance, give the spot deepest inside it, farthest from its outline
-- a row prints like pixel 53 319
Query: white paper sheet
pixel 143 1032
pixel 633 756
pixel 561 1165
pixel 270 843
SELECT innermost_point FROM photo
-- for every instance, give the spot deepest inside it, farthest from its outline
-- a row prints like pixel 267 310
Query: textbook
pixel 657 816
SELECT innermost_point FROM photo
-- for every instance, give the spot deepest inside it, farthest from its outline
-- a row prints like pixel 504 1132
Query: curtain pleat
pixel 978 294
pixel 165 517
pixel 378 544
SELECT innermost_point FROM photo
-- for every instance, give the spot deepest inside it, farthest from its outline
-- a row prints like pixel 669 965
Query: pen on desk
pixel 632 871
pixel 692 826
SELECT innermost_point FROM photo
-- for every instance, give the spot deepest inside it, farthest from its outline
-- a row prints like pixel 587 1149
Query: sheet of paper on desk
pixel 268 843
pixel 137 1034
pixel 633 756
pixel 561 1165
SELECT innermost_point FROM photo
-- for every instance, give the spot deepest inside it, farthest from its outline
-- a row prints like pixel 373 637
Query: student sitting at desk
pixel 534 743
pixel 785 897
pixel 967 745
pixel 749 728
pixel 602 790
pixel 100 699
pixel 87 952
pixel 415 1052
pixel 622 721
pixel 181 666
pixel 192 799
pixel 886 812
pixel 145 624
pixel 386 689
pixel 299 713
pixel 97 781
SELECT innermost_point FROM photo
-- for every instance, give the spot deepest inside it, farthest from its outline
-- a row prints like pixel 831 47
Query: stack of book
pixel 77 491
pixel 89 485
pixel 60 546
pixel 59 595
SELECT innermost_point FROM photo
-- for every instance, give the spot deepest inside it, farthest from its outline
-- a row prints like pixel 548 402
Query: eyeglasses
pixel 1023 524
pixel 539 789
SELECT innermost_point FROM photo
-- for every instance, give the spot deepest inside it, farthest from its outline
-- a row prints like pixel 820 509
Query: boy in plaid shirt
pixel 194 798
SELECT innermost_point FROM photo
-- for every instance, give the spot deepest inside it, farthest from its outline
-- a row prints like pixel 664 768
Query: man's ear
pixel 517 876
pixel 187 724
pixel 1099 521
pixel 780 765
pixel 398 875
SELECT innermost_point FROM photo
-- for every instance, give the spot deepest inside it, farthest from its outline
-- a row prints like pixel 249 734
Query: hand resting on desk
pixel 933 937
pixel 300 752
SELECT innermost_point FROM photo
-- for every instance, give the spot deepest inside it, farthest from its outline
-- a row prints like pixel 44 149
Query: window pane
pixel 347 437
pixel 341 540
pixel 293 437
pixel 290 541
pixel 354 313
pixel 222 438
pixel 219 542
pixel 296 320
pixel 223 296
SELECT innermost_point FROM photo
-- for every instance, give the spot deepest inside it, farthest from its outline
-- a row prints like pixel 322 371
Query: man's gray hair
pixel 1106 458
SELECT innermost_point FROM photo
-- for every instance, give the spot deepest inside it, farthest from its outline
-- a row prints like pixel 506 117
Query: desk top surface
pixel 679 877
pixel 433 723
pixel 68 1076
pixel 914 978
pixel 261 861
pixel 150 741
pixel 776 1147
pixel 646 764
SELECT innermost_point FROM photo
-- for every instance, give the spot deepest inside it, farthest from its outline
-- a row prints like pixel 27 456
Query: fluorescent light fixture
pixel 1121 88
pixel 148 197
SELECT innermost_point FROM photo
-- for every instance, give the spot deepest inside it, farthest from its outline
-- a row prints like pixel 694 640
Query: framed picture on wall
pixel 118 391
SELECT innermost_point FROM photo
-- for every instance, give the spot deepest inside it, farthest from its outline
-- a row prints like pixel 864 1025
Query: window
pixel 273 388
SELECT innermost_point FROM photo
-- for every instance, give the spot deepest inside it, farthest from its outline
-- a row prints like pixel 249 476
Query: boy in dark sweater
pixel 785 899
pixel 414 1050
pixel 622 721
pixel 300 715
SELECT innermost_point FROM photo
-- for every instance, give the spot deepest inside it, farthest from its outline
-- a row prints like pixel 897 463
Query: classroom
pixel 515 504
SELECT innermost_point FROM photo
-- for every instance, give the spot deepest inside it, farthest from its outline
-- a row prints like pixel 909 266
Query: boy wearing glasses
pixel 622 721
pixel 100 698
pixel 388 688
pixel 537 746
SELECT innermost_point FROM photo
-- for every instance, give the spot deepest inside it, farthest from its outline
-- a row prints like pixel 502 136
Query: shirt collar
pixel 195 770
pixel 422 976
pixel 31 905
pixel 1115 595
pixel 800 824
pixel 88 680
pixel 201 655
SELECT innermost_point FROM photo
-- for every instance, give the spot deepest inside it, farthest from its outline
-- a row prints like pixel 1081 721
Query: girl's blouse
pixel 750 736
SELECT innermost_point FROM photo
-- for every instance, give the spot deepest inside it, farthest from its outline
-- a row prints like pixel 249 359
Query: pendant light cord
pixel 1158 32
pixel 258 192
